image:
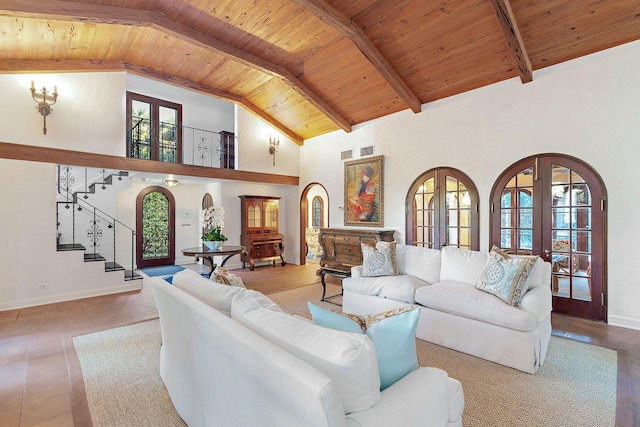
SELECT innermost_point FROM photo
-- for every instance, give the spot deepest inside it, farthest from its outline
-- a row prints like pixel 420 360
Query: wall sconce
pixel 171 182
pixel 45 101
pixel 274 143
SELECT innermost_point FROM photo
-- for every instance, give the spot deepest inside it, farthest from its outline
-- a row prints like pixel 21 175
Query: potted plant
pixel 212 223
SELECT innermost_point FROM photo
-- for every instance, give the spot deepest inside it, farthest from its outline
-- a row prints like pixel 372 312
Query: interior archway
pixel 311 191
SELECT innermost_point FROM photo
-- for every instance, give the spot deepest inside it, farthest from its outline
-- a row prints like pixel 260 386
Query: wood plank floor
pixel 37 386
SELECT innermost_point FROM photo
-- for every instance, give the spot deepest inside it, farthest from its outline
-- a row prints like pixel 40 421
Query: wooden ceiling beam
pixel 509 28
pixel 70 11
pixel 34 153
pixel 331 16
pixel 95 65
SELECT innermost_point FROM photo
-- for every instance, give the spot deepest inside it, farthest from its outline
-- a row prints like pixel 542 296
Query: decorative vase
pixel 213 245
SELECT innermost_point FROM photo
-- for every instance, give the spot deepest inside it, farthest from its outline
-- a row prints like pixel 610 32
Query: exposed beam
pixel 345 26
pixel 509 27
pixel 96 65
pixel 34 153
pixel 70 11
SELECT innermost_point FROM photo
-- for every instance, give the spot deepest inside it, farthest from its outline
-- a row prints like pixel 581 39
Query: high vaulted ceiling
pixel 313 66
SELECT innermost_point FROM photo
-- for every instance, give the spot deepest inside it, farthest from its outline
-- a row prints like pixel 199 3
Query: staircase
pixel 83 226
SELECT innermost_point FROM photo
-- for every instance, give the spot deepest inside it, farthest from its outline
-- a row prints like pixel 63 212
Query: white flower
pixel 213 222
pixel 213 217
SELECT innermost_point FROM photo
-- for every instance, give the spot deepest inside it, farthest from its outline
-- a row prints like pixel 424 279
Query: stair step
pixel 71 247
pixel 112 266
pixel 93 257
pixel 131 275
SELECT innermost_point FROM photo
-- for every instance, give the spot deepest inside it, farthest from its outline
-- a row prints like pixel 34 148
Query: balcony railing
pixel 168 142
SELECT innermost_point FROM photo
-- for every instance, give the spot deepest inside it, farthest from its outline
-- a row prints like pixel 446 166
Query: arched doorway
pixel 155 227
pixel 554 205
pixel 314 210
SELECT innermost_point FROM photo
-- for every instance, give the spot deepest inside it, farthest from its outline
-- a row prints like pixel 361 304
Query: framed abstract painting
pixel 364 192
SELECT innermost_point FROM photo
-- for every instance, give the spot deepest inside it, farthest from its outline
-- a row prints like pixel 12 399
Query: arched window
pixel 317 212
pixel 442 209
pixel 552 205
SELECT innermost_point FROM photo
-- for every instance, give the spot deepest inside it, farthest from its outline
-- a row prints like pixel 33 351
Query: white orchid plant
pixel 213 223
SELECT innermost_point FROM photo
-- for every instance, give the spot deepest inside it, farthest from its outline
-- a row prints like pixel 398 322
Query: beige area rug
pixel 576 387
pixel 120 369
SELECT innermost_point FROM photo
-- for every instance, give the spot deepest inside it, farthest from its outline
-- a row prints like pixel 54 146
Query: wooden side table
pixel 341 274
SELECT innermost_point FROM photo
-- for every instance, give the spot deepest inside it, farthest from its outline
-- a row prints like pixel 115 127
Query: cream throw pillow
pixel 505 277
pixel 379 260
pixel 223 276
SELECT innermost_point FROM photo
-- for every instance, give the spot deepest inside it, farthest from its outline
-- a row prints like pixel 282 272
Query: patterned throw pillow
pixel 393 333
pixel 505 277
pixel 379 260
pixel 222 275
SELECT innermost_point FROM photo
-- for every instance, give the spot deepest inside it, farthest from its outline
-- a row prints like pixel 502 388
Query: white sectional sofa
pixel 453 312
pixel 232 357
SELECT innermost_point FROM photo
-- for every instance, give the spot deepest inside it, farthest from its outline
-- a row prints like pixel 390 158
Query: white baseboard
pixel 132 285
pixel 625 322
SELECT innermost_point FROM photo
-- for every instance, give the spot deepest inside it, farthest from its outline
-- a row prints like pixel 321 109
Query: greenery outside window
pixel 154 129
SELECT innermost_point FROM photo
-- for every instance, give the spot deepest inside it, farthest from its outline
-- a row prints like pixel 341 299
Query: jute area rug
pixel 575 387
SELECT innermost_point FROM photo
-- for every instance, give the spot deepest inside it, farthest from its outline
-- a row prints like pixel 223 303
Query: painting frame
pixel 364 192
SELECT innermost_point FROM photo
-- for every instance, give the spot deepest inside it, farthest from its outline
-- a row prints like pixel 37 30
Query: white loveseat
pixel 232 357
pixel 453 313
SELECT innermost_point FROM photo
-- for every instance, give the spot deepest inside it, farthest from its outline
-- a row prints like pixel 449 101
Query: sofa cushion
pixel 393 333
pixel 461 265
pixel 399 288
pixel 423 263
pixel 505 277
pixel 223 276
pixel 463 300
pixel 379 260
pixel 211 293
pixel 348 359
pixel 537 276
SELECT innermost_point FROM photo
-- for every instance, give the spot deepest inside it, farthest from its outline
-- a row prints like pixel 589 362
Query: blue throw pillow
pixel 393 333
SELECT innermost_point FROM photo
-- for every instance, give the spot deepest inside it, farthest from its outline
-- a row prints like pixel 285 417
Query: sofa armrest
pixel 537 301
pixel 356 271
pixel 419 399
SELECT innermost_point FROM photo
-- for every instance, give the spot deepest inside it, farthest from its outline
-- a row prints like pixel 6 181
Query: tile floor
pixel 38 387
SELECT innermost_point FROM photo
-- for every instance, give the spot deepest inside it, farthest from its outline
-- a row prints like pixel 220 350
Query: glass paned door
pixel 553 206
pixel 516 214
pixel 154 129
pixel 168 134
pixel 571 234
pixel 155 227
pixel 140 139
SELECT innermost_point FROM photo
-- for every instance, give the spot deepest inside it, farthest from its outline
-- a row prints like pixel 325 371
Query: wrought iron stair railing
pixel 84 227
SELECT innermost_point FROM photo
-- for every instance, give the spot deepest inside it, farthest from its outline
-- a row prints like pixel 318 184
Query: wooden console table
pixel 341 248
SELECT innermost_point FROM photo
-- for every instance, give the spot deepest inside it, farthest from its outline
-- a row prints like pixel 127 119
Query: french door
pixel 155 227
pixel 554 206
pixel 154 129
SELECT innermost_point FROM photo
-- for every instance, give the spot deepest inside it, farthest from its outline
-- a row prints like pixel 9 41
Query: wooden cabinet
pixel 341 246
pixel 260 230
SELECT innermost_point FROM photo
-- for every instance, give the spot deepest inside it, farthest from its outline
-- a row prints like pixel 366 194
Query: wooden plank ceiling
pixel 313 66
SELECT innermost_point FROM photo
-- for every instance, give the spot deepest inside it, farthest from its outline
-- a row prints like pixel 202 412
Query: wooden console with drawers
pixel 341 248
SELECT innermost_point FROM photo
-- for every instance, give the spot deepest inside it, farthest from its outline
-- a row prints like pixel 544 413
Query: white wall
pixel 587 108
pixel 90 116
